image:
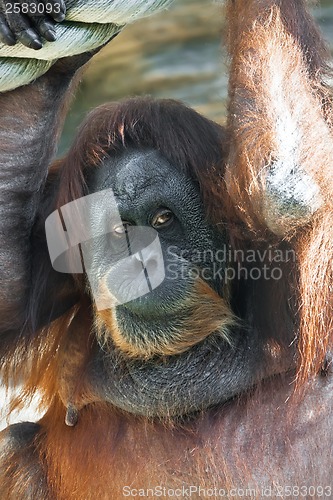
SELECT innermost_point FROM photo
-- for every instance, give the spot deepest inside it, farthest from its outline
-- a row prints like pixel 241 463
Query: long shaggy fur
pixel 280 117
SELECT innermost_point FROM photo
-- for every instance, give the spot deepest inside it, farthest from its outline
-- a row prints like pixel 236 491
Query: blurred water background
pixel 175 54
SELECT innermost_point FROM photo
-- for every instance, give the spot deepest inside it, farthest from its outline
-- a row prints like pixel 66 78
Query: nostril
pixel 152 265
pixel 138 265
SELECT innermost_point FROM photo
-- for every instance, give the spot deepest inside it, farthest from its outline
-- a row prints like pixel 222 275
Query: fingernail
pixel 9 40
pixel 59 17
pixel 72 416
pixel 30 39
pixel 7 36
pixel 36 44
pixel 50 35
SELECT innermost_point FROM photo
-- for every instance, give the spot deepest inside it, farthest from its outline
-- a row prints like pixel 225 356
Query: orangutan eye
pixel 162 218
pixel 121 229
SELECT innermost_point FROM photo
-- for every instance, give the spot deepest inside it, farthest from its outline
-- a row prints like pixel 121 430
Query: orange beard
pixel 208 313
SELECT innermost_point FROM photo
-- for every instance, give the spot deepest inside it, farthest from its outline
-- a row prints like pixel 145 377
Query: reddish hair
pixel 195 144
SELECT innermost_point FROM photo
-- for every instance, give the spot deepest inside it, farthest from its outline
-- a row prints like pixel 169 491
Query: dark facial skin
pixel 152 194
pixel 206 371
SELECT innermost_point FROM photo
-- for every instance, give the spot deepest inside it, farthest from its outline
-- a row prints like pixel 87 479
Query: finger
pixel 56 9
pixel 30 39
pixel 6 35
pixel 45 27
pixel 23 31
pixel 40 21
